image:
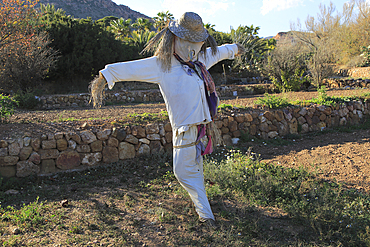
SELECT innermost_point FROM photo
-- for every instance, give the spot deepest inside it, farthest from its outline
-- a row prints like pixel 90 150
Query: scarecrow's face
pixel 187 50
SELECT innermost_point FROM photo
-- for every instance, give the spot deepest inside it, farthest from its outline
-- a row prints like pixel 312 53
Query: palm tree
pixel 162 19
pixel 121 28
pixel 209 27
pixel 140 39
pixel 142 24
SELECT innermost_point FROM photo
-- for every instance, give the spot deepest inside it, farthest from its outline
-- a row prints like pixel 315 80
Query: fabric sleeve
pixel 227 51
pixel 146 70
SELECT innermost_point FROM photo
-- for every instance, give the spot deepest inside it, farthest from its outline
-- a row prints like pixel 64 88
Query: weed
pixel 272 101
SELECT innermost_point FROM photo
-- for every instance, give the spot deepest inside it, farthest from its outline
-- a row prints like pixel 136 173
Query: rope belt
pixel 187 145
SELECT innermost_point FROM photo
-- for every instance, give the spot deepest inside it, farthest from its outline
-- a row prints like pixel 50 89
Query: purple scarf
pixel 202 72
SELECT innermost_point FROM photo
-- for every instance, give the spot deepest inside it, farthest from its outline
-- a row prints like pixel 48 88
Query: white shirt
pixel 183 94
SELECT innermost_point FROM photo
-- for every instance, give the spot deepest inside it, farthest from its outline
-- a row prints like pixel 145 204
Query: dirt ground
pixel 340 156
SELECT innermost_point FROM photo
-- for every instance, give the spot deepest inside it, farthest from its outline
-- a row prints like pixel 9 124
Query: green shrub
pixel 26 100
pixel 7 106
pixel 272 101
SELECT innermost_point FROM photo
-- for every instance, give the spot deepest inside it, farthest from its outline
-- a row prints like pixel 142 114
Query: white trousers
pixel 189 172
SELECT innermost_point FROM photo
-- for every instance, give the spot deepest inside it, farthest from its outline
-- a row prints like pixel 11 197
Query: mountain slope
pixel 96 9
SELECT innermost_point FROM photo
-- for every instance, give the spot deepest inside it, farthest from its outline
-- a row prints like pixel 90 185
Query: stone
pixel 154 137
pixel 84 148
pixel 163 141
pixel 126 151
pixel 144 140
pixel 68 160
pixel 162 132
pixel 72 144
pixel 236 133
pixel 253 129
pixel 293 126
pixel 110 154
pixel 168 127
pixel 138 131
pixel 49 154
pixel 279 115
pixel 27 141
pixel 321 126
pixel 14 148
pixel 36 143
pixel 305 128
pixel 88 137
pixel 58 135
pixel 35 158
pixel 225 130
pixel 144 149
pixel 62 144
pixel 301 120
pixel 156 147
pixel 272 134
pixel 342 121
pixel 233 126
pixel 269 115
pixel 25 153
pixel 96 146
pixel 113 142
pixel 50 136
pixel 152 128
pixel 103 134
pixel 132 139
pixel 26 168
pixel 3 144
pixel 92 159
pixel 303 111
pixel 3 152
pixel 121 135
pixel 8 171
pixel 218 124
pixel 239 118
pixel 315 119
pixel 8 160
pixel 248 117
pixel 73 136
pixel 168 137
pixel 49 144
pixel 48 167
pixel 264 127
pixel 288 115
pixel 227 140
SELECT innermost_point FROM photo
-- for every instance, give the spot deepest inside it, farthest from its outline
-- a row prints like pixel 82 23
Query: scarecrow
pixel 179 66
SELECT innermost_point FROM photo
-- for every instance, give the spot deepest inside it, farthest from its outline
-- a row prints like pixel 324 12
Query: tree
pixel 121 28
pixel 85 47
pixel 142 25
pixel 320 37
pixel 255 48
pixel 285 65
pixel 162 19
pixel 25 57
pixel 25 64
pixel 16 22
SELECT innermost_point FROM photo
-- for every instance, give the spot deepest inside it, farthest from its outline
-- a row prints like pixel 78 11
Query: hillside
pixel 96 9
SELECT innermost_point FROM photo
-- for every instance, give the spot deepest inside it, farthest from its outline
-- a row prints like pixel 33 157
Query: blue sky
pixel 272 16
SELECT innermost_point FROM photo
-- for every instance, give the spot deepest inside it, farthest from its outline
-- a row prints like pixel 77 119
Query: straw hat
pixel 189 27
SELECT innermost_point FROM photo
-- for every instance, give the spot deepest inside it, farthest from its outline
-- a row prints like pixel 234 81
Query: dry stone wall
pixel 63 151
pixel 151 95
